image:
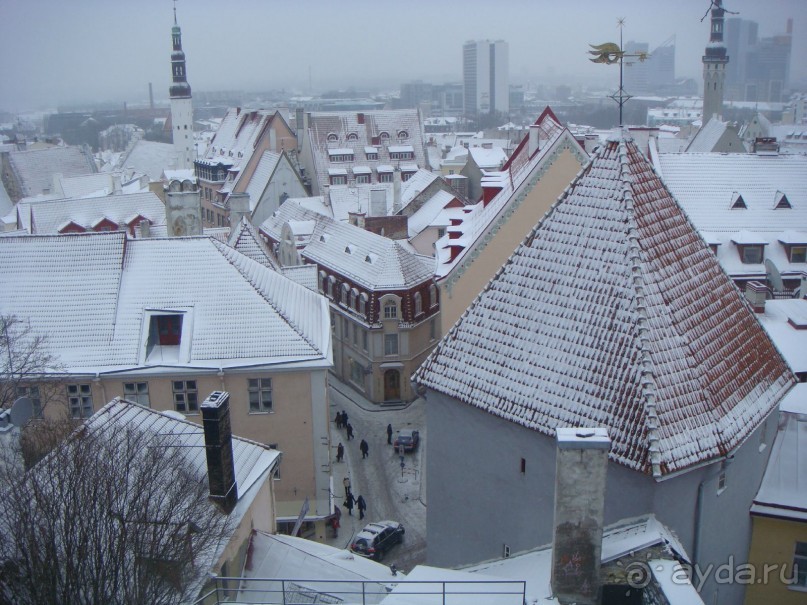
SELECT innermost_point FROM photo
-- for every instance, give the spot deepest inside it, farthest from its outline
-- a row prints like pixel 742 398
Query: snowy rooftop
pixel 785 321
pixel 708 136
pixel 150 158
pixel 35 169
pixel 614 312
pixel 479 218
pixel 488 159
pixel 109 288
pixel 260 177
pixel 708 187
pixel 783 492
pixel 363 136
pixel 429 213
pixel 246 239
pixel 374 261
pixel 51 216
pixel 235 140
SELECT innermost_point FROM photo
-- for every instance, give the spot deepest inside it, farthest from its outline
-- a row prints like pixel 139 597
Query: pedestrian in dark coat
pixel 349 501
pixel 340 452
pixel 344 418
pixel 389 434
pixel 362 505
pixel 365 448
pixel 349 431
pixel 338 420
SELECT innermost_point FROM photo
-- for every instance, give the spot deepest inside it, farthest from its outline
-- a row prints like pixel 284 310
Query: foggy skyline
pixel 59 52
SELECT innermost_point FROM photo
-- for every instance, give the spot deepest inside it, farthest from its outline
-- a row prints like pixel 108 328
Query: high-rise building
pixel 181 104
pixel 654 75
pixel 760 67
pixel 486 77
pixel 714 65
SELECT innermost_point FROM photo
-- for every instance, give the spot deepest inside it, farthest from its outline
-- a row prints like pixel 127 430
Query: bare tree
pixel 113 515
pixel 27 367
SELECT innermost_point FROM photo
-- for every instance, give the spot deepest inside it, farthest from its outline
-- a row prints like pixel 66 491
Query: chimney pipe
pixel 219 450
pixel 756 292
pixel 534 141
pixel 145 228
pixel 396 191
pixel 580 471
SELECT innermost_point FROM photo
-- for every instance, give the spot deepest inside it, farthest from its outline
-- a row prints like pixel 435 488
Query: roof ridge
pixel 227 251
pixel 648 378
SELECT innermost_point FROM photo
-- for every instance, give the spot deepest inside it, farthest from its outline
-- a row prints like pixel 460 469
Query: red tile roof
pixel 615 313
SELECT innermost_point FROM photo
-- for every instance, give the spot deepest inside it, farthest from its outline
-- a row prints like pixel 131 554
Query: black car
pixel 407 438
pixel 377 538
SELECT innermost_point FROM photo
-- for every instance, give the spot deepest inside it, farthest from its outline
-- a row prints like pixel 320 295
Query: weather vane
pixel 610 53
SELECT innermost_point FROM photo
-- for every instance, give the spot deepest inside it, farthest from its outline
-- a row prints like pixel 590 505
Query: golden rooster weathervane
pixel 610 53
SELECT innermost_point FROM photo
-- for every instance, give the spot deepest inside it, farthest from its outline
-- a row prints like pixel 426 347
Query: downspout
pixel 103 388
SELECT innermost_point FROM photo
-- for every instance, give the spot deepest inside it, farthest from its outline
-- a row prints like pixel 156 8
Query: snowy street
pixel 391 493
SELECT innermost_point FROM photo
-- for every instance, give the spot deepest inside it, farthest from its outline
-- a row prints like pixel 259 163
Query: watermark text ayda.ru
pixel 639 574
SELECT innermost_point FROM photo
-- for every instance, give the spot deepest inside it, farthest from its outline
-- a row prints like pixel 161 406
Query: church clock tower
pixel 181 105
pixel 714 66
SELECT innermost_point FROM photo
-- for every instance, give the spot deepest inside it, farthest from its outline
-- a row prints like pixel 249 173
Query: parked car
pixel 408 438
pixel 376 539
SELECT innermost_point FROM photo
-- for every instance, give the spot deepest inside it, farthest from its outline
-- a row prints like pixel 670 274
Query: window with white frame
pixel 390 309
pixel 338 179
pixel 800 565
pixel 363 304
pixel 798 254
pixel 32 393
pixel 751 255
pixel 362 179
pixel 186 398
pixel 79 398
pixel 432 296
pixel 418 304
pixel 137 392
pixel 384 177
pixel 390 344
pixel 260 395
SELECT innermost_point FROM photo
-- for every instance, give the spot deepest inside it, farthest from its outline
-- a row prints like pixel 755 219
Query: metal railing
pixel 269 591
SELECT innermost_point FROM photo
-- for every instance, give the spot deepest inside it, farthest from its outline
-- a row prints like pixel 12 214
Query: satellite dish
pixel 22 410
pixel 773 275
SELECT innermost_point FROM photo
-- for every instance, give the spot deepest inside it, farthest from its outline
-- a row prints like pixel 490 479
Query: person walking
pixel 349 431
pixel 362 506
pixel 365 449
pixel 340 452
pixel 389 434
pixel 346 483
pixel 344 418
pixel 349 502
pixel 338 420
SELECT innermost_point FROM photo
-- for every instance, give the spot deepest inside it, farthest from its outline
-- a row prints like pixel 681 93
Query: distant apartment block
pixel 486 79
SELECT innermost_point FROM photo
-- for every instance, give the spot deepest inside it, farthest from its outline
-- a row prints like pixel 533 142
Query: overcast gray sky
pixel 56 51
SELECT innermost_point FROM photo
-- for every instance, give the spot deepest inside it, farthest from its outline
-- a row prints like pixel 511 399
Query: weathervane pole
pixel 610 53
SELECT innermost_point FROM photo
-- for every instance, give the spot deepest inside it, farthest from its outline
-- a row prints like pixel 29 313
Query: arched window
pixel 390 309
pixel 363 304
pixel 344 295
pixel 352 136
pixel 332 137
pixel 418 304
pixel 402 135
pixel 323 282
pixel 331 291
pixel 432 296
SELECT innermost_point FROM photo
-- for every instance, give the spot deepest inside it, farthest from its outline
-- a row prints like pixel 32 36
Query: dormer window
pixel 332 137
pixel 164 337
pixel 782 201
pixel 738 202
pixel 403 135
pixel 168 329
pixel 352 136
pixel 390 309
pixel 751 254
pixel 798 254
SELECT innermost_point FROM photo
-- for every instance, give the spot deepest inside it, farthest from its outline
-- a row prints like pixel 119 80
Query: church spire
pixel 714 65
pixel 180 89
pixel 181 103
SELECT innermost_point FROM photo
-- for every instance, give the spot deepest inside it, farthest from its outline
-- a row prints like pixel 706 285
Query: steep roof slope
pixel 35 169
pixel 613 312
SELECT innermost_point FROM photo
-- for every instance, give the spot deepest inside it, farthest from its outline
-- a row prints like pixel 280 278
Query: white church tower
pixel 714 66
pixel 181 105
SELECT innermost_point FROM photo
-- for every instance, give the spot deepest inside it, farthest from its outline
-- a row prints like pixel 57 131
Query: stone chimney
pixel 183 208
pixel 356 218
pixel 219 449
pixel 534 139
pixel 239 208
pixel 756 292
pixel 145 228
pixel 580 470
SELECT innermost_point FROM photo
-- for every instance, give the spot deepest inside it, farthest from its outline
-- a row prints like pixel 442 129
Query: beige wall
pixel 469 277
pixel 772 543
pixel 290 425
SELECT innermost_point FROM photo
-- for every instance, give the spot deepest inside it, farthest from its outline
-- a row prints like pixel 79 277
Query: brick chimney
pixel 219 449
pixel 756 292
pixel 580 470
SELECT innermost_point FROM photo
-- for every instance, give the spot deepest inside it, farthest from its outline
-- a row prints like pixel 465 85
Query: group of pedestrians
pixel 351 501
pixel 343 423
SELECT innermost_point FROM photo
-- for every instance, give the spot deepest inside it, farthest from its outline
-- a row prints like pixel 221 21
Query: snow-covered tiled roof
pixel 613 312
pixel 428 213
pixel 246 239
pixel 51 216
pixel 107 286
pixel 519 168
pixel 785 321
pixel 707 184
pixel 488 159
pixel 706 139
pixel 234 141
pixel 361 135
pixel 150 158
pixel 783 492
pixel 35 169
pixel 374 261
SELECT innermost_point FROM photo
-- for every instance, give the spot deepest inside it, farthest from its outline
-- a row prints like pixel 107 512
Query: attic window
pixel 383 136
pixel 798 254
pixel 751 254
pixel 352 136
pixel 167 329
pixel 782 201
pixel 402 135
pixel 738 202
pixel 332 137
